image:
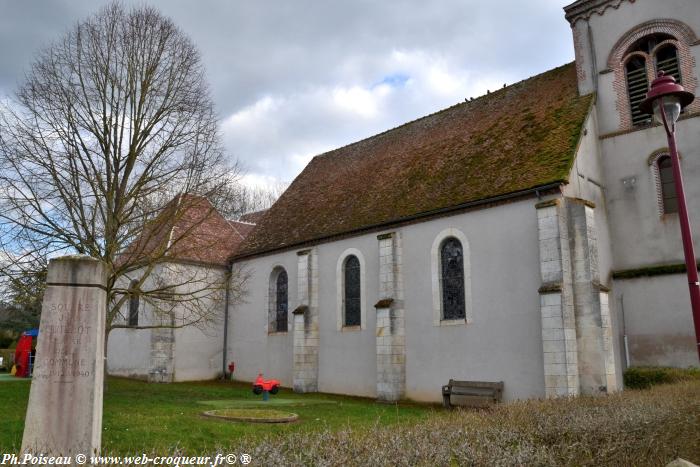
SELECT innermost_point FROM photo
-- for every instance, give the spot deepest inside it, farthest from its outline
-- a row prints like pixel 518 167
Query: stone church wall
pixel 502 340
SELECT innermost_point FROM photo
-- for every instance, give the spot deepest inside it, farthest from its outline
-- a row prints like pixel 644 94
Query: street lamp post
pixel 665 100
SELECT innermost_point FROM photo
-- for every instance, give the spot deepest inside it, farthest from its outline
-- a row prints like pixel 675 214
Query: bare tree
pixel 114 121
pixel 253 198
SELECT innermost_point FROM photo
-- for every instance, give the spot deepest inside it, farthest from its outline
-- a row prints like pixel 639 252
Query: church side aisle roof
pixel 191 229
pixel 517 138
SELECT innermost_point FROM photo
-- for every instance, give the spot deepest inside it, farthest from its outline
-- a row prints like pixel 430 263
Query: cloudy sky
pixel 292 79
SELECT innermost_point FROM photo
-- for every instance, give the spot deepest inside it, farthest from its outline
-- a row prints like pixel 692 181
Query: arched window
pixel 663 44
pixel 452 279
pixel 352 299
pixel 659 49
pixel 134 299
pixel 669 202
pixel 282 302
pixel 278 301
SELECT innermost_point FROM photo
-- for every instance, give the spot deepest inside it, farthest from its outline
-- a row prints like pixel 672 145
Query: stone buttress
pixel 391 327
pixel 306 331
pixel 576 327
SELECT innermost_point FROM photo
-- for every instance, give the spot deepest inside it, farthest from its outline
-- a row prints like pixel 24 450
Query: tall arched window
pixel 282 302
pixel 452 279
pixel 352 299
pixel 278 301
pixel 134 299
pixel 669 201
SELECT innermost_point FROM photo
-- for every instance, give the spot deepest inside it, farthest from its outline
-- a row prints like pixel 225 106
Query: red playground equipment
pixel 24 360
pixel 265 385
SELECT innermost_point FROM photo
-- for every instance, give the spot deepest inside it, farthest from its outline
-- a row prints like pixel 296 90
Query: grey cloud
pixel 297 53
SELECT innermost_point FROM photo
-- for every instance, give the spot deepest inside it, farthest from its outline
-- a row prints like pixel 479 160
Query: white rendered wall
pixel 196 352
pixel 503 342
pixel 129 350
pixel 641 235
pixel 657 320
pixel 250 346
pixel 198 349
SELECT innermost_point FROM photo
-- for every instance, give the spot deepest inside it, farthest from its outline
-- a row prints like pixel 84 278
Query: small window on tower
pixel 668 185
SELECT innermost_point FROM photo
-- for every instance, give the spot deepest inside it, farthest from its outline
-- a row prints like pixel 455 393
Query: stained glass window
pixel 452 269
pixel 352 291
pixel 281 302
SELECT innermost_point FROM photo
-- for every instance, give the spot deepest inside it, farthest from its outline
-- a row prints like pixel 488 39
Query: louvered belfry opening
pixel 637 87
pixel 665 58
pixel 667 61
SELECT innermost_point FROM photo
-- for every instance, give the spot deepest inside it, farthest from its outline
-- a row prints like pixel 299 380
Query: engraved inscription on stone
pixel 64 332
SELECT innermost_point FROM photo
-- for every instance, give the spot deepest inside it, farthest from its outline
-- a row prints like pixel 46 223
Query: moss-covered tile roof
pixel 520 137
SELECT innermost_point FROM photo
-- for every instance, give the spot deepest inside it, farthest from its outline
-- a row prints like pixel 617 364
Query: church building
pixel 528 236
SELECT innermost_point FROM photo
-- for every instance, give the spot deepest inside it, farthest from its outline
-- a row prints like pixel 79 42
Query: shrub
pixel 637 428
pixel 643 377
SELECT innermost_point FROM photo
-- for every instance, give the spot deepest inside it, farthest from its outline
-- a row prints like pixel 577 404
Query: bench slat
pixel 477 384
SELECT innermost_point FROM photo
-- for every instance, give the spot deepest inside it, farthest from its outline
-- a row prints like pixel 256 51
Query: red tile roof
pixel 242 227
pixel 191 229
pixel 517 138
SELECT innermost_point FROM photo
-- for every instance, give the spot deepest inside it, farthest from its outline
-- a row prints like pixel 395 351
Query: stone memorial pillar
pixel 64 415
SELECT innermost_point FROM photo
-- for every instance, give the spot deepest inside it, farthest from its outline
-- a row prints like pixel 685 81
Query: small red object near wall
pixel 270 385
pixel 231 367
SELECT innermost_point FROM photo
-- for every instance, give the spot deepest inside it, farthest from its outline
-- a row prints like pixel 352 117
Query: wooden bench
pixel 471 393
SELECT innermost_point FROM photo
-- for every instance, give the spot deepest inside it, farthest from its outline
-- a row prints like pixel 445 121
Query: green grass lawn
pixel 151 417
pixel 635 427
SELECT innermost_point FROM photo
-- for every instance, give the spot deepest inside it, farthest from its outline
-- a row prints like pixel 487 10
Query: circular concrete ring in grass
pixel 252 415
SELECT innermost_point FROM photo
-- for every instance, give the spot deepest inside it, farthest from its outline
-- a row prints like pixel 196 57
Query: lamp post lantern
pixel 665 100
